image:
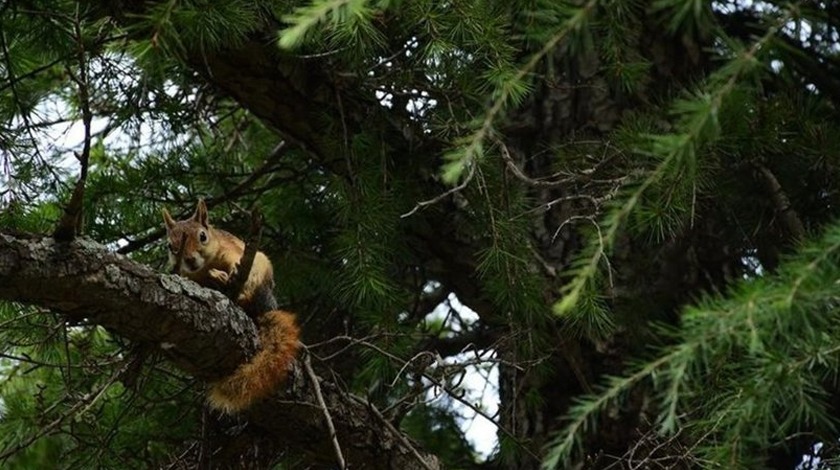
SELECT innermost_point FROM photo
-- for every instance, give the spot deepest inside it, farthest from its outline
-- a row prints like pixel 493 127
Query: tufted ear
pixel 168 220
pixel 200 215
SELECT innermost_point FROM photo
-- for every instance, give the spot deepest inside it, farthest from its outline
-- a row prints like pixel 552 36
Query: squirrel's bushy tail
pixel 259 377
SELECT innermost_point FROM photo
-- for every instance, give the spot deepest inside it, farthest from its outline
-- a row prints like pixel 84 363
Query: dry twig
pixel 444 195
pixel 316 386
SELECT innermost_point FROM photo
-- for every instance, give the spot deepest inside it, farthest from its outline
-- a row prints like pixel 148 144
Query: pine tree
pixel 636 199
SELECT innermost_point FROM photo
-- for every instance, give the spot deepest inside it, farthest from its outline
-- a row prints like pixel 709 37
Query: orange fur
pixel 220 254
pixel 259 377
pixel 210 257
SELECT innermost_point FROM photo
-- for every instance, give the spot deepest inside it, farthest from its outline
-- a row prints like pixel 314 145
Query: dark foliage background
pixel 637 200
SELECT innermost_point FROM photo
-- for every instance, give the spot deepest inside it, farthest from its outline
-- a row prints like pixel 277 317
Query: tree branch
pixel 70 223
pixel 788 214
pixel 252 244
pixel 200 331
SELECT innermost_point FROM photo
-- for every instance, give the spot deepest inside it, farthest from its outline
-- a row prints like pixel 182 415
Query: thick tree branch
pixel 201 331
pixel 84 281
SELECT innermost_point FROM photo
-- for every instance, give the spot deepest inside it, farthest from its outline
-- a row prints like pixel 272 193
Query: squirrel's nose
pixel 191 262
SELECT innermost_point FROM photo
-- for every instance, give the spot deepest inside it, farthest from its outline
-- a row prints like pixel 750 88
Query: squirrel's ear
pixel 168 220
pixel 200 215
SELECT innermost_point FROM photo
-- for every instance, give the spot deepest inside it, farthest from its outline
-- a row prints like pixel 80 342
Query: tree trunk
pixel 574 102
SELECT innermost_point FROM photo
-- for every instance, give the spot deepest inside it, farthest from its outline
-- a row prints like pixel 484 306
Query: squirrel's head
pixel 190 241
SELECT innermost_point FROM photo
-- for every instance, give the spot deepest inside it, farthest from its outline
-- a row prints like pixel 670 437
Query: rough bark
pixel 203 333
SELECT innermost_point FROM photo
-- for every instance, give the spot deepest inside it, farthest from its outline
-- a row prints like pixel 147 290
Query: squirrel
pixel 210 257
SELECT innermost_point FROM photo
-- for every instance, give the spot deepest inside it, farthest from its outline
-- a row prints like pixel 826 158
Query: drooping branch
pixel 201 332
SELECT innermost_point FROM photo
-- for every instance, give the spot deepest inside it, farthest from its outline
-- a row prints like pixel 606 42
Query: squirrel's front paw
pixel 219 275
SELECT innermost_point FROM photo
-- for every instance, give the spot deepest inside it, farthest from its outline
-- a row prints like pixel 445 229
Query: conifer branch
pixel 20 108
pixel 464 158
pixel 441 385
pixel 746 322
pixel 306 18
pixel 79 408
pixel 679 152
pixel 757 369
pixel 525 178
pixel 583 413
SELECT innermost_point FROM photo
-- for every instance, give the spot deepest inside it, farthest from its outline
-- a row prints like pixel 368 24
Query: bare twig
pixel 421 355
pixel 570 220
pixel 12 81
pixel 521 175
pixel 444 195
pixel 26 359
pixel 71 222
pixel 316 386
pixel 452 393
pixel 266 167
pixel 180 458
pixel 399 435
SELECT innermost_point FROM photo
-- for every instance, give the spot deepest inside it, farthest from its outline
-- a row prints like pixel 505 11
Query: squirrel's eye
pixel 173 248
pixel 202 236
